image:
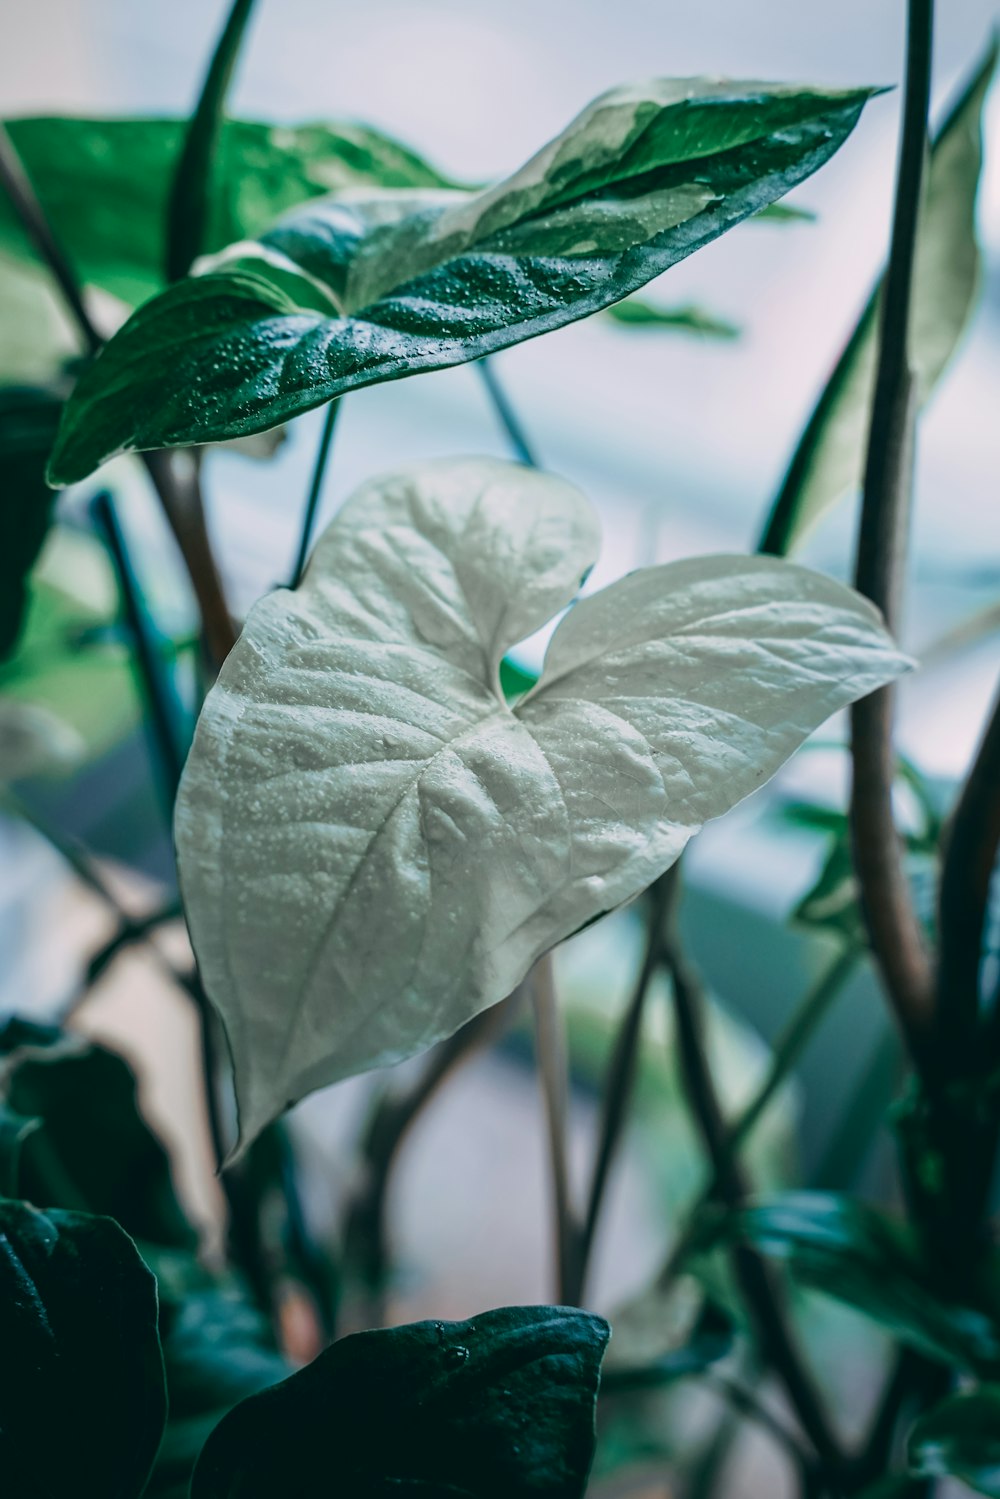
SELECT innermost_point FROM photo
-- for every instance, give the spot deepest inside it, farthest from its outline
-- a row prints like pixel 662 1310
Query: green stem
pixel 893 928
pixel 190 198
pixel 553 1071
pixel 506 414
pixel 315 490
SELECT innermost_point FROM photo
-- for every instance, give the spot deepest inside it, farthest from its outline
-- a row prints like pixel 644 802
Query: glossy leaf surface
pixel 82 1397
pixel 961 1439
pixel 500 1405
pixel 357 771
pixel 361 289
pixel 829 460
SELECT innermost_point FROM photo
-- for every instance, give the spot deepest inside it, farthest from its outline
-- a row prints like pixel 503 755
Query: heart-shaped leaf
pixel 82 1396
pixel 961 1439
pixel 829 460
pixel 362 289
pixel 485 1409
pixel 373 846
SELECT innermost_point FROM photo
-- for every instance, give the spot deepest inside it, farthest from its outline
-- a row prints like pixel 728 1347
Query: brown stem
pixel 893 928
pixel 969 857
pixel 756 1279
pixel 553 1070
pixel 365 1235
pixel 176 477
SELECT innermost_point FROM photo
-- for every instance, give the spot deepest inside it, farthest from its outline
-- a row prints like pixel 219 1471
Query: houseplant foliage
pixel 384 826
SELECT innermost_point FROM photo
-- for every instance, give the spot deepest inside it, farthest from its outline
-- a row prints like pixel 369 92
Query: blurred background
pixel 681 441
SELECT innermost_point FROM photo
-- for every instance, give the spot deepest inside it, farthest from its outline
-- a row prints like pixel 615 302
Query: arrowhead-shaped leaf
pixel 374 846
pixel 961 1439
pixel 82 1396
pixel 829 460
pixel 362 289
pixel 485 1409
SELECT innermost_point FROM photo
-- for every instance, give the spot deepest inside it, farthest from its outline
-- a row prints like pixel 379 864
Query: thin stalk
pixel 553 1071
pixel 162 706
pixel 894 931
pixel 617 1096
pixel 506 414
pixel 182 505
pixel 970 855
pixel 190 192
pixel 17 185
pixel 756 1279
pixel 365 1237
pixel 746 1403
pixel 315 490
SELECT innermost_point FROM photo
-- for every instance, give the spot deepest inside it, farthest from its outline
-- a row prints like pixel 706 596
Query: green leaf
pixel 485 1409
pixel 663 1335
pixel 354 291
pixel 217 1351
pixel 104 186
pixel 854 1254
pixel 961 1439
pixel 39 340
pixel 190 202
pixel 82 1397
pixel 829 459
pixel 28 422
pixel 637 312
pixel 91 1150
pixel 357 769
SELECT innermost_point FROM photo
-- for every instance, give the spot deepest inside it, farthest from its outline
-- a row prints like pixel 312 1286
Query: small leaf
pixel 830 456
pixel 485 1409
pixel 82 1397
pixel 358 290
pixel 217 1351
pixel 104 186
pixel 91 1149
pixel 637 312
pixel 357 770
pixel 856 1255
pixel 28 421
pixel 665 1335
pixel 961 1439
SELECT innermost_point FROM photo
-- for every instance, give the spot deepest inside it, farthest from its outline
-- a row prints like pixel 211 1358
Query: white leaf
pixel 374 846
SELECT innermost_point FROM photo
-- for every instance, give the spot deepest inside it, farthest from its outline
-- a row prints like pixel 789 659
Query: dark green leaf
pixel 961 1439
pixel 856 1255
pixel 82 1396
pixel 829 459
pixel 91 1149
pixel 486 1409
pixel 347 293
pixel 637 312
pixel 190 201
pixel 28 422
pixel 14 1130
pixel 218 1350
pixel 104 186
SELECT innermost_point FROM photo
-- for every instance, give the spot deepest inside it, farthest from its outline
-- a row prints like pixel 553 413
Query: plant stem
pixel 892 924
pixel 17 185
pixel 553 1071
pixel 365 1231
pixel 181 503
pixel 190 192
pixel 315 490
pixel 970 854
pixel 617 1096
pixel 508 417
pixel 756 1279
